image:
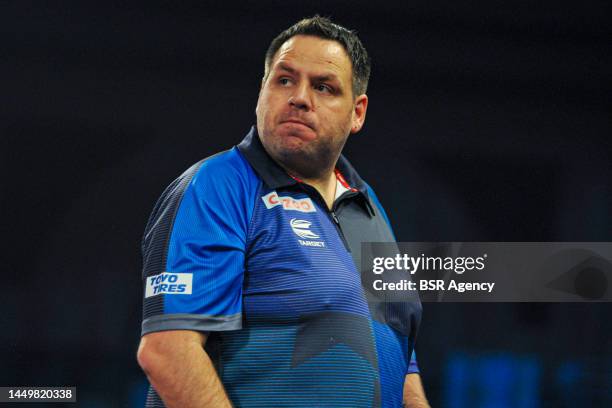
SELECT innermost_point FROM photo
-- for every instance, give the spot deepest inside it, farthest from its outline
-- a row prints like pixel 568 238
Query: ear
pixel 359 113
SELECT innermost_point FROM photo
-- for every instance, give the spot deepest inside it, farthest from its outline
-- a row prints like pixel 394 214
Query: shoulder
pixel 224 172
pixel 223 166
pixel 227 164
pixel 218 182
pixel 373 197
pixel 377 204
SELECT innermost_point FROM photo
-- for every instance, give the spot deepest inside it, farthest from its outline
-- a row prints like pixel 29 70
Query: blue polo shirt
pixel 237 248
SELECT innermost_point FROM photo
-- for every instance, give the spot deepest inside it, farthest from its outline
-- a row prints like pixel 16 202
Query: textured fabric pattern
pixel 276 282
pixel 157 235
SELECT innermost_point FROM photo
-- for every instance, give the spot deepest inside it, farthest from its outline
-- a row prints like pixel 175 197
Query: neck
pixel 323 181
pixel 326 186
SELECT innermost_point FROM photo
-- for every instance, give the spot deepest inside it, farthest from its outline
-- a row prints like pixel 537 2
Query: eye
pixel 324 88
pixel 284 81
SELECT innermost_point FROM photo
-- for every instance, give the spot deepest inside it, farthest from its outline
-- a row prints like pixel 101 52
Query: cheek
pixel 338 117
pixel 270 105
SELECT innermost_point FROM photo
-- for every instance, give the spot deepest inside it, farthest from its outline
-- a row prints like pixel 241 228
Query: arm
pixel 196 236
pixel 180 370
pixel 414 394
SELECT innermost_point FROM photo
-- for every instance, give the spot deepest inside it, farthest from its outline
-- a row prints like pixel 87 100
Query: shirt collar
pixel 274 176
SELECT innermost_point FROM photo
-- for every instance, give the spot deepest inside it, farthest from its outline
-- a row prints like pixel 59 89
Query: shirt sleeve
pixel 194 248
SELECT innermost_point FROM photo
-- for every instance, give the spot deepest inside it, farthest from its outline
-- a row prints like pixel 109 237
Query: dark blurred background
pixel 488 121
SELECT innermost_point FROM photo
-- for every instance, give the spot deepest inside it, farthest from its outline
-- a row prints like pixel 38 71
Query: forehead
pixel 309 52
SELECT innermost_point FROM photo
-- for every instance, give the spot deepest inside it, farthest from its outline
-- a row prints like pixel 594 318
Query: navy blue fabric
pixel 413 367
pixel 274 280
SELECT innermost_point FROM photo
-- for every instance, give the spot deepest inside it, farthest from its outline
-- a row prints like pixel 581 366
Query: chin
pixel 289 139
pixel 291 147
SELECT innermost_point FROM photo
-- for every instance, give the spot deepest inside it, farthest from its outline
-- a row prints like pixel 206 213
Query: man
pixel 253 295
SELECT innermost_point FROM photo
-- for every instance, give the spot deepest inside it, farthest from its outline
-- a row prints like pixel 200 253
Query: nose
pixel 300 98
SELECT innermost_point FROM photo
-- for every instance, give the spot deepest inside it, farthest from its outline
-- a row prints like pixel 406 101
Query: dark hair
pixel 324 28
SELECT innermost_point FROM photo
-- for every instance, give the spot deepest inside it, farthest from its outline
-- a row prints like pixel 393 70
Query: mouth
pixel 297 122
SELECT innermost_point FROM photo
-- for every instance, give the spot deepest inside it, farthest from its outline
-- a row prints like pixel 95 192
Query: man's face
pixel 306 107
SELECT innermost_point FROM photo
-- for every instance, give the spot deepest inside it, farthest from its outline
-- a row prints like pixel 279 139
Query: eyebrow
pixel 286 67
pixel 324 77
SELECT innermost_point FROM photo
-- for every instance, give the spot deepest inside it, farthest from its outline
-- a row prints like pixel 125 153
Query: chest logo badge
pixel 272 200
pixel 301 228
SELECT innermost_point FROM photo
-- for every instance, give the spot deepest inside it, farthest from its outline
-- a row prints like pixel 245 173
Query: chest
pixel 299 259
